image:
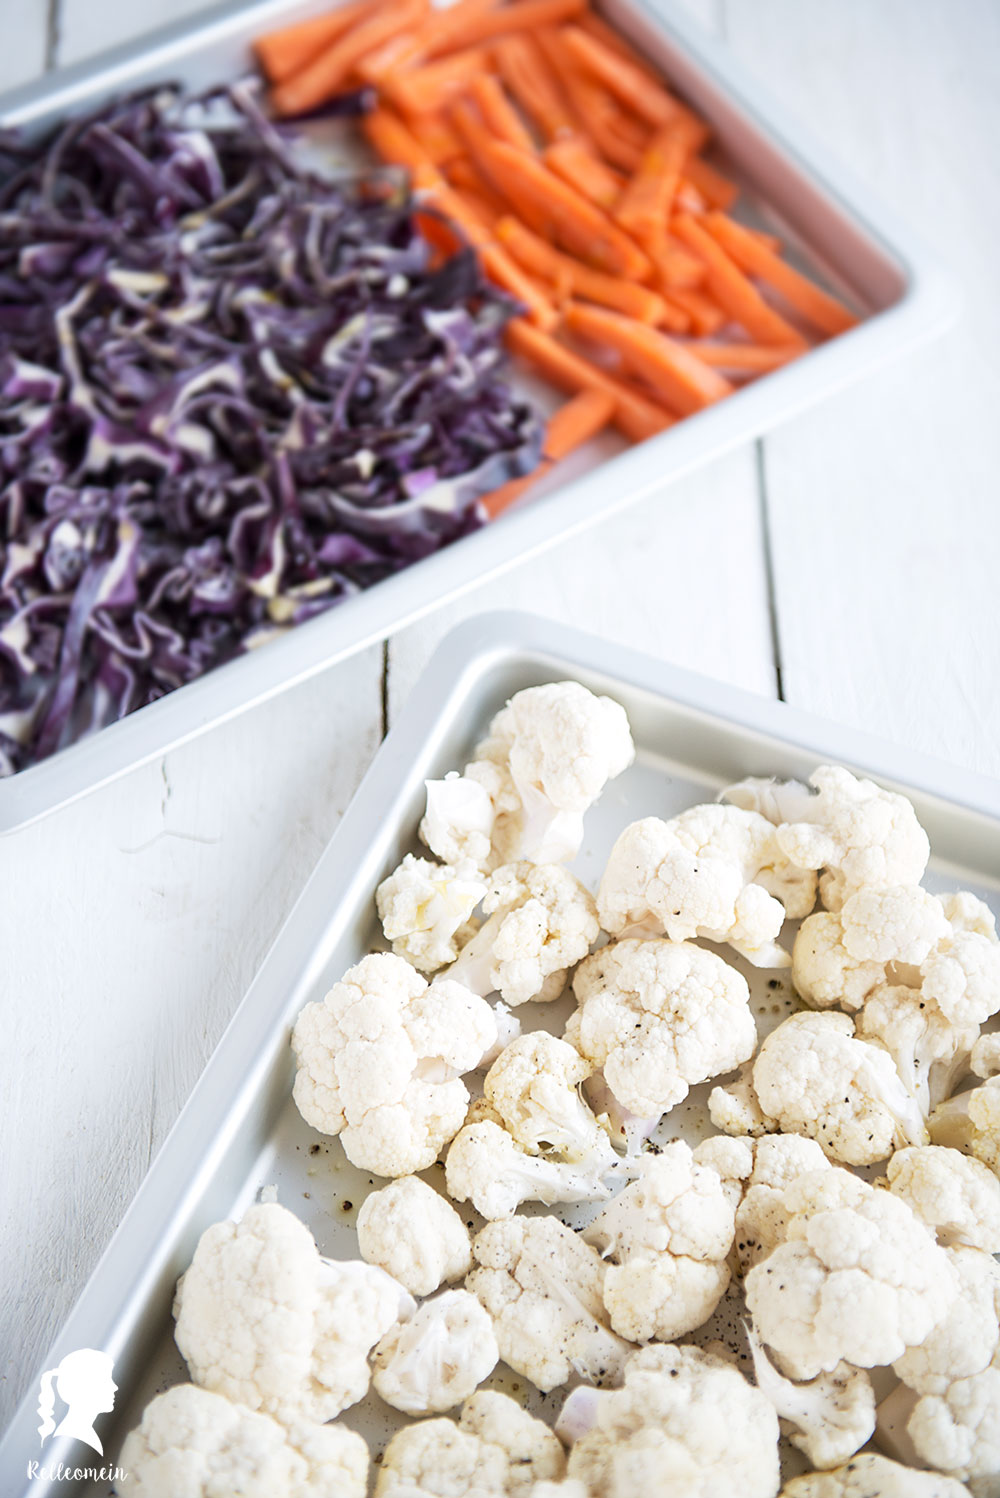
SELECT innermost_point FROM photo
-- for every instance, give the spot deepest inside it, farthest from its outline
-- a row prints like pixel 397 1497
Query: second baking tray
pixel 831 225
pixel 240 1130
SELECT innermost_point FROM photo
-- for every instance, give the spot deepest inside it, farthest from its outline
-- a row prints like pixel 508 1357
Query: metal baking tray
pixel 240 1130
pixel 831 224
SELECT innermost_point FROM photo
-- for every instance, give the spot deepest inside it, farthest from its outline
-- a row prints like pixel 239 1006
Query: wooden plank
pixel 131 926
pixel 680 576
pixel 883 507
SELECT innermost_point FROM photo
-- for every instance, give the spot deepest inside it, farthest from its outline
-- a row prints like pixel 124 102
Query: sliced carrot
pixel 689 199
pixel 576 162
pixel 717 190
pixel 480 207
pixel 506 273
pixel 730 288
pixel 745 358
pixel 523 15
pixel 437 137
pixel 592 23
pixel 479 143
pixel 398 145
pixel 498 112
pixel 771 241
pixel 466 178
pixel 443 30
pixel 425 90
pixel 570 219
pixel 321 78
pixel 574 278
pixel 678 376
pixel 644 207
pixel 676 267
pixel 633 85
pixel 818 307
pixel 635 415
pixel 286 51
pixel 526 73
pixel 598 114
pixel 570 427
pixel 384 60
pixel 705 316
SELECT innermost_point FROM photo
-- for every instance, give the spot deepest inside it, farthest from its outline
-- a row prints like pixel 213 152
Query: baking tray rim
pixel 102 1315
pixel 926 304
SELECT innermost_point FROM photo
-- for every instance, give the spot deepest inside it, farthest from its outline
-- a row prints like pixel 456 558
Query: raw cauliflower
pixel 857 832
pixel 858 1278
pixel 970 1122
pixel 540 922
pixel 958 1198
pixel 873 1476
pixel 195 1444
pixel 534 1088
pixel 486 1166
pixel 668 1234
pixel 545 760
pixel 967 1339
pixel 658 1017
pixel 411 1231
pixel 762 1217
pixel 830 1417
pixel 543 1288
pixel 686 1424
pixel 380 1062
pixel 496 1450
pixel 930 1053
pixel 423 907
pixel 708 872
pixel 812 1077
pixel 264 1320
pixel 437 1358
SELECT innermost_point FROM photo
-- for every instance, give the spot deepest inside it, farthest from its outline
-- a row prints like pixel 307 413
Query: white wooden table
pixel 848 564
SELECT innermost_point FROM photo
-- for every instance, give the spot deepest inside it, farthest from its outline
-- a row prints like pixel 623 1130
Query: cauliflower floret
pixel 195 1444
pixel 486 1166
pixel 858 832
pixel 686 1424
pixel 858 1278
pixel 264 1320
pixel 706 873
pixel 544 1287
pixel 962 977
pixel 422 905
pixel 816 1079
pixel 669 1232
pixel 831 1417
pixel 824 972
pixel 958 1432
pixel 872 1476
pixel 970 1122
pixel 380 1061
pixel 967 1338
pixel 540 921
pixel 497 1450
pixel 732 1160
pixel 657 1017
pixel 545 760
pixel 438 1357
pixel 958 1198
pixel 984 1060
pixel 930 1053
pixel 736 1108
pixel 626 1129
pixel 534 1088
pixel 410 1231
pixel 762 1218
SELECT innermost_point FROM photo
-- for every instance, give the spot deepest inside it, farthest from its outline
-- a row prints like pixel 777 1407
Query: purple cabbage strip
pixel 232 394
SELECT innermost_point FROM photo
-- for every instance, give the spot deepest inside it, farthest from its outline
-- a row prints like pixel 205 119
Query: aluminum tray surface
pixel 831 225
pixel 240 1131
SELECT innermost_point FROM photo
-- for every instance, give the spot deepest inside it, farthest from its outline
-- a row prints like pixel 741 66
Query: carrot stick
pixel 818 307
pixel 502 269
pixel 498 112
pixel 523 15
pixel 634 415
pixel 570 427
pixel 576 279
pixel 644 207
pixel 321 78
pixel 571 220
pixel 676 267
pixel 376 65
pixel 731 289
pixel 632 84
pixel 291 48
pixel 576 162
pixel 597 112
pixel 716 189
pixel 394 143
pixel 465 177
pixel 424 90
pixel 525 71
pixel 599 29
pixel 704 315
pixel 689 199
pixel 481 207
pixel 442 31
pixel 745 358
pixel 479 142
pixel 772 241
pixel 678 376
pixel 435 135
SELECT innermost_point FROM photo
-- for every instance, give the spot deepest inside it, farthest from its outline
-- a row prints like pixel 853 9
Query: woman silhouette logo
pixel 83 1382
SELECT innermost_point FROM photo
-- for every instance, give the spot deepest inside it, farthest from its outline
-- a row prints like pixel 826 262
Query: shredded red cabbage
pixel 232 394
